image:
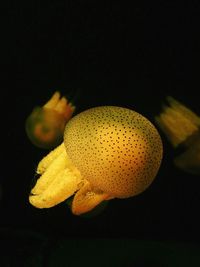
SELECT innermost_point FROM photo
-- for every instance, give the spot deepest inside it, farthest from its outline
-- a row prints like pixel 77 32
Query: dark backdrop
pixel 104 54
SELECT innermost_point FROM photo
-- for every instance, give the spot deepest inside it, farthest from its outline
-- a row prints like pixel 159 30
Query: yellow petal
pixel 86 199
pixel 64 185
pixel 60 163
pixel 53 101
pixel 46 161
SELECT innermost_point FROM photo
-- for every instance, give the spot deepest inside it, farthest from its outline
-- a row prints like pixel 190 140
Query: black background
pixel 104 54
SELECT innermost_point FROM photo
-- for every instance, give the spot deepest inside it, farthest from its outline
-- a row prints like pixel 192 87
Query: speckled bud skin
pixel 116 149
